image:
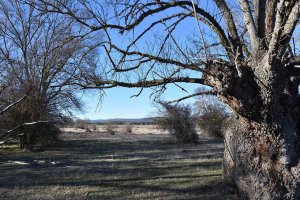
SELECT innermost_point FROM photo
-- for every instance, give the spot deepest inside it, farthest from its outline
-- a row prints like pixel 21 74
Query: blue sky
pixel 117 102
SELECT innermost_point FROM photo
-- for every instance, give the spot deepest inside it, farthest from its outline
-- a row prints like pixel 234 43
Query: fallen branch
pixel 21 125
pixel 14 103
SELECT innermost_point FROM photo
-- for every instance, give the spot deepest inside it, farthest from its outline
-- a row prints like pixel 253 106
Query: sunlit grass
pixel 12 147
pixel 86 167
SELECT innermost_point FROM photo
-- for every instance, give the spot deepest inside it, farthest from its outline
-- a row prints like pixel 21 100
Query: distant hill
pixel 124 120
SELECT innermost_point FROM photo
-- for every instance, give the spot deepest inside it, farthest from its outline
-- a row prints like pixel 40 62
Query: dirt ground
pixel 102 166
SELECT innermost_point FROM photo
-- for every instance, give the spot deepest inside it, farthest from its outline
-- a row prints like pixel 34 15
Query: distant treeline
pixel 124 123
pixel 141 121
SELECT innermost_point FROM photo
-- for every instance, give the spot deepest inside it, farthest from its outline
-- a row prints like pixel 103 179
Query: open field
pixel 136 129
pixel 100 166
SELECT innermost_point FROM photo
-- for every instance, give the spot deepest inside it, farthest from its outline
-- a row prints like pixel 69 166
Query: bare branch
pixel 102 84
pixel 287 16
pixel 260 15
pixel 200 32
pixel 232 30
pixel 14 103
pixel 289 28
pixel 270 14
pixel 8 133
pixel 193 95
pixel 249 21
pixel 194 66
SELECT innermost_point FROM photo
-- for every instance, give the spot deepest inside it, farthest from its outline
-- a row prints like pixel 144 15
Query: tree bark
pixel 262 160
pixel 23 142
pixel 262 145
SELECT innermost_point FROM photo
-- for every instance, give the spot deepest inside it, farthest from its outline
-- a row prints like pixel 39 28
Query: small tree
pixel 128 128
pixel 110 128
pixel 178 120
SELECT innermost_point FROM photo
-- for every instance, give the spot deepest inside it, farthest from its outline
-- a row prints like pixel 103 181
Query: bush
pixel 179 122
pixel 94 126
pixel 87 129
pixel 128 128
pixel 211 116
pixel 80 123
pixel 110 128
pixel 42 134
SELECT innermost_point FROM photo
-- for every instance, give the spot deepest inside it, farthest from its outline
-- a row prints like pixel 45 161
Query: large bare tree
pixel 41 53
pixel 246 51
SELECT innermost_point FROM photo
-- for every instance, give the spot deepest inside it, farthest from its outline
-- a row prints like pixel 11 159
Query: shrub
pixel 179 122
pixel 211 116
pixel 80 124
pixel 42 134
pixel 87 129
pixel 110 128
pixel 94 126
pixel 128 128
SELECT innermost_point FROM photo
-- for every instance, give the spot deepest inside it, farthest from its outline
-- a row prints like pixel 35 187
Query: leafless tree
pixel 128 128
pixel 246 51
pixel 10 106
pixel 41 53
pixel 111 128
pixel 179 121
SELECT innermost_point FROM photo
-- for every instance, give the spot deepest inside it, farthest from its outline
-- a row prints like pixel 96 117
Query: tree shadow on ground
pixel 122 167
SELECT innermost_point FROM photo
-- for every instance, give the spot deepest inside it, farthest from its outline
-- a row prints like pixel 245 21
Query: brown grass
pixel 102 166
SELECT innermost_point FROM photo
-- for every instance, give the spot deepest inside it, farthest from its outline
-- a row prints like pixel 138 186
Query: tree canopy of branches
pixel 246 51
pixel 40 53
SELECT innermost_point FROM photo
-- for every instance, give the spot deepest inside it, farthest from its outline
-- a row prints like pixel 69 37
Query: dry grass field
pixel 137 129
pixel 101 166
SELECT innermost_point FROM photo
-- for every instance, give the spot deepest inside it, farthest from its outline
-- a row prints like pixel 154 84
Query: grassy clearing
pixel 94 166
pixel 11 147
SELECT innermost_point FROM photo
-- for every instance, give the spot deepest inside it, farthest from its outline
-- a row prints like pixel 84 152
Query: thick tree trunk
pixel 262 145
pixel 22 138
pixel 263 161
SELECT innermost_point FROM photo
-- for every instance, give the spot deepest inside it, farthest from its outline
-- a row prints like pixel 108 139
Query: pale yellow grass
pixel 137 129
